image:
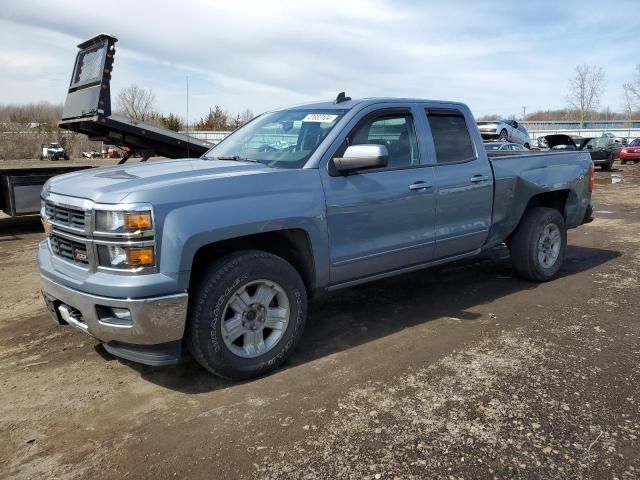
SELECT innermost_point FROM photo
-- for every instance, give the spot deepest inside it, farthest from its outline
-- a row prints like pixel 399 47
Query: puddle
pixel 615 178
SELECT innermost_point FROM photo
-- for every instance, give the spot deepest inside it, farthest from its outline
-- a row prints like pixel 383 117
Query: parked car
pixel 220 254
pixel 111 153
pixel 603 150
pixel 504 147
pixel 53 151
pixel 631 153
pixel 91 154
pixel 505 131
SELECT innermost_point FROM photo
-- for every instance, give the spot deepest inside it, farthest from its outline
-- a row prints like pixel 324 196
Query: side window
pixel 450 136
pixel 396 132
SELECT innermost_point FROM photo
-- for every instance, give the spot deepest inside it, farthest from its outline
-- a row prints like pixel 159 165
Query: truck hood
pixel 114 184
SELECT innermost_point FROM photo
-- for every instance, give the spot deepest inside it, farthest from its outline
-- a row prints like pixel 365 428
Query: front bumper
pixel 152 321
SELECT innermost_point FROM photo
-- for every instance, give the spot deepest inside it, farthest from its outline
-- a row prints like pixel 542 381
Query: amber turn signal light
pixel 137 221
pixel 140 257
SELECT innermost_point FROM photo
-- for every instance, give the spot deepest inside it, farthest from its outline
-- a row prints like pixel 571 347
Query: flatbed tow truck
pixel 87 110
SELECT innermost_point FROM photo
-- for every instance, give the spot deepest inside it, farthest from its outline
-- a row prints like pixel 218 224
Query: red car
pixel 111 153
pixel 631 153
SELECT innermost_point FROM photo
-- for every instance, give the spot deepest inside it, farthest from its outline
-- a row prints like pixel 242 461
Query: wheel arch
pixel 293 245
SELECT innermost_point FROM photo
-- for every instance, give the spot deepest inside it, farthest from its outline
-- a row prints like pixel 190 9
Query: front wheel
pixel 248 312
pixel 504 135
pixel 538 245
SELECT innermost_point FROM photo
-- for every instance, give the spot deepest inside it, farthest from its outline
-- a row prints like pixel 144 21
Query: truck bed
pixel 520 177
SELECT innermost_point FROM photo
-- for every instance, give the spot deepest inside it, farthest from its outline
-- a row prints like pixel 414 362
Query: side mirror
pixel 361 157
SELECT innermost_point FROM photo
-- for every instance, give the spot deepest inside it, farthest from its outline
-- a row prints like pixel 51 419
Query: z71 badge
pixel 80 256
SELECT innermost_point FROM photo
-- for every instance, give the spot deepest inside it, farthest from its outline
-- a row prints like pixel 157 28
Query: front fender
pixel 187 228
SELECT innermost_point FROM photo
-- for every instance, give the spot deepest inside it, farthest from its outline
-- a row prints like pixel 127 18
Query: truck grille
pixel 65 216
pixel 75 252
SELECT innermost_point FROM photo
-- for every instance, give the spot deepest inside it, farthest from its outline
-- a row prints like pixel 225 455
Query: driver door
pixel 380 220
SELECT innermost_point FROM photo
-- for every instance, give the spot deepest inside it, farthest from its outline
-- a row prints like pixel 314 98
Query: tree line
pixel 139 104
pixel 584 96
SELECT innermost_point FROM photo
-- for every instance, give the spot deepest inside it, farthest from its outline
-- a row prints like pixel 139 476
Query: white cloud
pixel 495 56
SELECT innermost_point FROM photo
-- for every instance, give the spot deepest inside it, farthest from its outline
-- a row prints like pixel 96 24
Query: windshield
pixel 635 143
pixel 283 139
pixel 53 145
pixel 492 146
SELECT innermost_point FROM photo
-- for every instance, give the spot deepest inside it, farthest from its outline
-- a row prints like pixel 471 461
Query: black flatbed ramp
pixel 87 109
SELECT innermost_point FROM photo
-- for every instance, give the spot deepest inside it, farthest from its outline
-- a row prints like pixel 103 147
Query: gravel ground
pixel 461 371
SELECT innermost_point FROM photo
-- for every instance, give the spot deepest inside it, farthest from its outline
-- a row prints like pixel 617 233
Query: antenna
pixel 188 139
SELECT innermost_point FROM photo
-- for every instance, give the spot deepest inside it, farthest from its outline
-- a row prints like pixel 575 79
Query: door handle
pixel 420 185
pixel 479 178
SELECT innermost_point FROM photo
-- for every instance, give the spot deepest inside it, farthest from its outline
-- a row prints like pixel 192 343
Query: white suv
pixel 504 130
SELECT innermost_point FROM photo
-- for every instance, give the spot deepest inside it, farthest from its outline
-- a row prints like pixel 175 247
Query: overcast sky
pixel 495 56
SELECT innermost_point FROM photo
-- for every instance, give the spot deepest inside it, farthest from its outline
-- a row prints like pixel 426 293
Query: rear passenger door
pixel 464 184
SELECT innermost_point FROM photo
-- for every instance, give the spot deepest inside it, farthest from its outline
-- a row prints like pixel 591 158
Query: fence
pixel 620 128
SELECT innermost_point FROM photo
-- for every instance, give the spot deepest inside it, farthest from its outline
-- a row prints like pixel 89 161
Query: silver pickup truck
pixel 221 254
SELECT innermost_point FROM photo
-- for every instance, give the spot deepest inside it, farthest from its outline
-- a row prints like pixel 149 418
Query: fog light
pixel 140 256
pixel 120 317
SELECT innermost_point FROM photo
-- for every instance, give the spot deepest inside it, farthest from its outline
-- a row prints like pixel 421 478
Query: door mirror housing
pixel 362 157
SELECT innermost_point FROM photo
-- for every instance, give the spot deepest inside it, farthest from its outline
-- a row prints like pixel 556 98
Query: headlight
pixel 122 257
pixel 110 221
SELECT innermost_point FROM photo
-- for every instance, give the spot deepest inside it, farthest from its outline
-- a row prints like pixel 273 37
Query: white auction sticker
pixel 319 117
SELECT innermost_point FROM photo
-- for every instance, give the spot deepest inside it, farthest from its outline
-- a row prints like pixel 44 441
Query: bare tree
pixel 585 89
pixel 246 116
pixel 136 103
pixel 628 100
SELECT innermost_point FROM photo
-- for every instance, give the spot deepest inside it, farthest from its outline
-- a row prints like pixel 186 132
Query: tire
pixel 636 161
pixel 230 282
pixel 528 244
pixel 527 146
pixel 607 166
pixel 504 135
pixel 624 162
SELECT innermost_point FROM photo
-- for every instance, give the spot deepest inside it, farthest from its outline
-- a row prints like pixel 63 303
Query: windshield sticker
pixel 319 117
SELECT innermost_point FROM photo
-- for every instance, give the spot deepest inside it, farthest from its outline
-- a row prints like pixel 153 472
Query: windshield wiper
pixel 236 158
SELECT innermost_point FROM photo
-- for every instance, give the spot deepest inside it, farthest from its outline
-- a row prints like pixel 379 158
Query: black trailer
pixel 87 110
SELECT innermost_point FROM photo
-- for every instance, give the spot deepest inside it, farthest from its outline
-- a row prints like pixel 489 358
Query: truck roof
pixel 363 102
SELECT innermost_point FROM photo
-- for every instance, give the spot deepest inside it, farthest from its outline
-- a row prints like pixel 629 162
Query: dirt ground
pixel 462 371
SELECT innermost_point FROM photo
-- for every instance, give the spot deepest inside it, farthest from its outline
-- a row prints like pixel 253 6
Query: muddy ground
pixel 462 371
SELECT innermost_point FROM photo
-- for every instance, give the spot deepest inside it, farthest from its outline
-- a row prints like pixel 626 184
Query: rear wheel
pixel 527 146
pixel 247 314
pixel 538 245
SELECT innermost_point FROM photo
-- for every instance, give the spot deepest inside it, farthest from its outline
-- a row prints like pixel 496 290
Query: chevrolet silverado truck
pixel 221 254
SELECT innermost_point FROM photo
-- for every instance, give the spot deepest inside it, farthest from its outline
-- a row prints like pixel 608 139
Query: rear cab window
pixel 450 134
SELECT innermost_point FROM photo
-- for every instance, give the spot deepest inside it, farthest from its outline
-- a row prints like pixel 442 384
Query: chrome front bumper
pixel 152 321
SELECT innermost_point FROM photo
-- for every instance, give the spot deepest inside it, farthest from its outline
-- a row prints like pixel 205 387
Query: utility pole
pixel 524 112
